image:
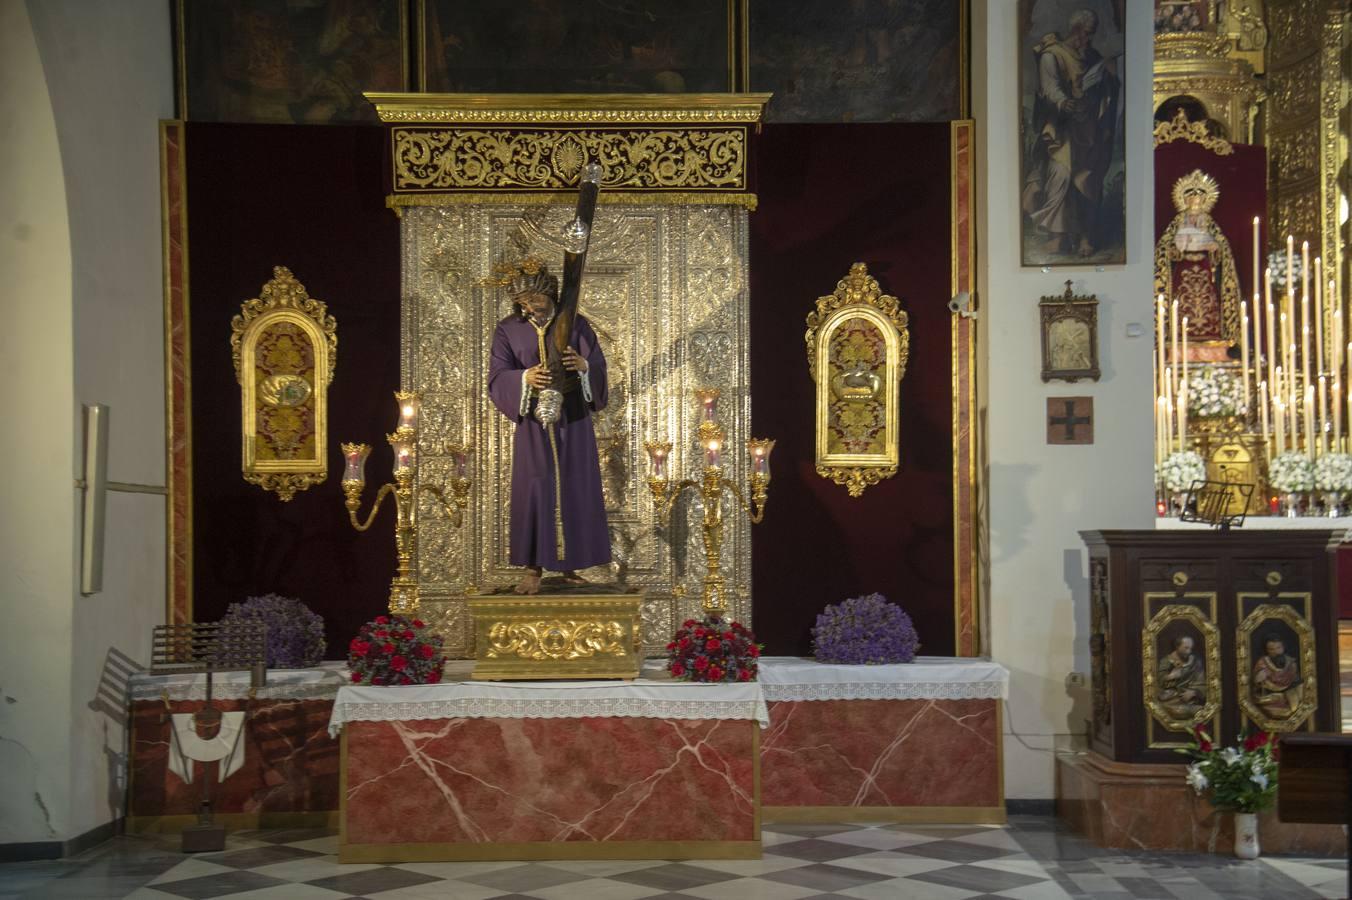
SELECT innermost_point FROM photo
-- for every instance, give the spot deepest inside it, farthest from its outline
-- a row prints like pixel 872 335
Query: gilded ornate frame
pixel 1309 698
pixel 1175 612
pixel 857 296
pixel 283 299
pixel 1074 307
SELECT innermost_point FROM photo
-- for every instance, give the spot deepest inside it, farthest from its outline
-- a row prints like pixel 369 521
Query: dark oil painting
pixel 857 60
pixel 288 61
pixel 1073 153
pixel 577 47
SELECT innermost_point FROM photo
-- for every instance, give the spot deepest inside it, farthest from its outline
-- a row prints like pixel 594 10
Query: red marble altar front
pixel 939 758
pixel 481 788
pixel 289 776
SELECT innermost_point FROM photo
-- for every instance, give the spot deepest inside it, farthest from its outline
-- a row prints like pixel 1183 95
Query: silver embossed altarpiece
pixel 665 288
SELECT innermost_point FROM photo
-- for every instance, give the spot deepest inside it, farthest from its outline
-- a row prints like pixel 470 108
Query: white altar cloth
pixel 652 696
pixel 796 678
pixel 319 683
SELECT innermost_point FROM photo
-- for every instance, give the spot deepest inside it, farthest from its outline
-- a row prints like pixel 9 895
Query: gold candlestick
pixel 710 487
pixel 404 441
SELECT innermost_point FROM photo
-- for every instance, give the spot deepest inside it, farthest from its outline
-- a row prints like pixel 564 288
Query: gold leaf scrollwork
pixel 556 639
pixel 430 159
pixel 1180 129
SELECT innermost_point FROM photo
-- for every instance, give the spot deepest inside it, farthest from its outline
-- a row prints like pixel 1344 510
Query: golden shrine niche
pixel 666 291
pixel 285 347
pixel 1195 267
pixel 858 344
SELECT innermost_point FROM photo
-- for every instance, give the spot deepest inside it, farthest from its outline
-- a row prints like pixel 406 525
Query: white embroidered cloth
pixel 928 678
pixel 320 683
pixel 648 697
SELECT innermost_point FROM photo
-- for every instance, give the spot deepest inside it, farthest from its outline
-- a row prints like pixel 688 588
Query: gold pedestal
pixel 557 637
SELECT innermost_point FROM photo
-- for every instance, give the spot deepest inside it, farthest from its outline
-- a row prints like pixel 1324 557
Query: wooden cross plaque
pixel 1070 420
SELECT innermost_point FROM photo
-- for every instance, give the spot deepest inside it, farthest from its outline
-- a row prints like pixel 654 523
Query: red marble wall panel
pixel 549 780
pixel 290 763
pixel 881 753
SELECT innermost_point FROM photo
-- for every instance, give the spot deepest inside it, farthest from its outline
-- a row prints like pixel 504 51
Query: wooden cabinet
pixel 1235 630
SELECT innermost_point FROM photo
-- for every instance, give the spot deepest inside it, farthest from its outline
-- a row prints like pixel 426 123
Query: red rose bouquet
pixel 713 649
pixel 395 650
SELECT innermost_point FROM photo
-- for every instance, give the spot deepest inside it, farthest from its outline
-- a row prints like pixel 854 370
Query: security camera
pixel 962 305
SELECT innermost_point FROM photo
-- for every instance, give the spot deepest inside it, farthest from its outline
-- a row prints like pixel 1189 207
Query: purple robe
pixel 586 536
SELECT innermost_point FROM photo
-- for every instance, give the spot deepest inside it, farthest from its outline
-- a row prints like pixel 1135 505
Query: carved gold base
pixel 573 636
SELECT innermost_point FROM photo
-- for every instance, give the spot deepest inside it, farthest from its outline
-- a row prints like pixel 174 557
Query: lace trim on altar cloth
pixel 321 683
pixel 547 708
pixel 890 690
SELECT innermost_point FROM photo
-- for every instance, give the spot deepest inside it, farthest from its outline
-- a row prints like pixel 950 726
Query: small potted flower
pixel 713 649
pixel 864 630
pixel 1180 469
pixel 1291 474
pixel 1333 477
pixel 1242 780
pixel 295 634
pixel 395 650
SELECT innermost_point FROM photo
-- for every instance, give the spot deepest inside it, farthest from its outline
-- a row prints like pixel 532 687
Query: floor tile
pixel 675 876
pixel 752 867
pixel 371 881
pixel 594 889
pixel 817 850
pixel 256 857
pixel 898 888
pixel 751 889
pixel 955 851
pixel 872 838
pixel 892 865
pixel 206 887
pixel 525 877
pixel 825 877
pixel 978 879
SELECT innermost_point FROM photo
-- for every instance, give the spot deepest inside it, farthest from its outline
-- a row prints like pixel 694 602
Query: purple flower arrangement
pixel 865 631
pixel 295 634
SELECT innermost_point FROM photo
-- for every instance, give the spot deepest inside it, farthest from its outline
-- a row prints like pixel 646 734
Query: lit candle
pixel 1184 390
pixel 708 400
pixel 1309 420
pixel 1173 342
pixel 1244 358
pixel 1337 416
pixel 1279 420
pixel 1263 412
pixel 711 448
pixel 354 463
pixel 1321 417
pixel 1304 270
pixel 657 458
pixel 1271 330
pixel 460 460
pixel 1257 252
pixel 1160 364
pixel 1257 339
pixel 1168 421
pixel 1318 321
pixel 403 454
pixel 759 450
pixel 409 405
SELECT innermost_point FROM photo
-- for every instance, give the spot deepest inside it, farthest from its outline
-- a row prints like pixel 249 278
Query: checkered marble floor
pixel 1035 858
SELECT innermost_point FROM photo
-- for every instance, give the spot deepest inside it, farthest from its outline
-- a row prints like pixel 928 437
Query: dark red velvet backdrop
pixel 308 198
pixel 312 198
pixel 1242 177
pixel 830 196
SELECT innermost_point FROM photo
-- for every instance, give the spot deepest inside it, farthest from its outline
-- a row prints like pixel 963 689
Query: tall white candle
pixel 1271 329
pixel 1159 345
pixel 1263 413
pixel 1304 270
pixel 1337 405
pixel 1321 419
pixel 1290 286
pixel 1244 359
pixel 1309 420
pixel 1173 343
pixel 1257 253
pixel 1318 321
pixel 1279 421
pixel 1183 392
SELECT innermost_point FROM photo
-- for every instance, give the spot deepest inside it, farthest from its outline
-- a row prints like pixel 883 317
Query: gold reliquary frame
pixel 285 347
pixel 858 344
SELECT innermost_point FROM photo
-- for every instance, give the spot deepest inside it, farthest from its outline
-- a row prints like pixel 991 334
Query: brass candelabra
pixel 404 443
pixel 711 486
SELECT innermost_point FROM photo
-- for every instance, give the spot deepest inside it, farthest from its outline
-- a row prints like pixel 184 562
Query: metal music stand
pixel 1207 502
pixel 209 647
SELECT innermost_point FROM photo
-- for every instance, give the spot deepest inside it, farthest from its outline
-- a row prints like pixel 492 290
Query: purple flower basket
pixel 865 631
pixel 295 634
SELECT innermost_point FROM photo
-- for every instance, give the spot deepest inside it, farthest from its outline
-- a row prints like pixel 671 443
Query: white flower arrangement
pixel 1181 469
pixel 1277 263
pixel 1214 392
pixel 1291 473
pixel 1333 473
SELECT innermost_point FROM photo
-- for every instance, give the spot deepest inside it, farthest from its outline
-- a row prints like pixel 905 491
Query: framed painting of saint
pixel 1069 336
pixel 581 47
pixel 1275 659
pixel 1072 54
pixel 281 61
pixel 869 61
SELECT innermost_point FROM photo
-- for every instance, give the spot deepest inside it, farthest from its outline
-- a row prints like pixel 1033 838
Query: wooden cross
pixel 1070 420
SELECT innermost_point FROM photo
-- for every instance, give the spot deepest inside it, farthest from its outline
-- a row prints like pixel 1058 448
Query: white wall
pixel 1040 496
pixel 84 84
pixel 110 74
pixel 37 501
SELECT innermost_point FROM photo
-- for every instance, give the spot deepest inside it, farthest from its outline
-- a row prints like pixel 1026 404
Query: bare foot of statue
pixel 571 577
pixel 529 583
pixel 1086 248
